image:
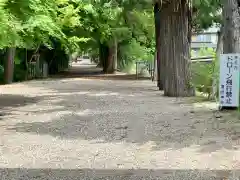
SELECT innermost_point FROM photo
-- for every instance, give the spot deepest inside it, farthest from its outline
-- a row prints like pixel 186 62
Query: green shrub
pixel 19 73
pixel 205 74
pixel 202 76
pixel 130 52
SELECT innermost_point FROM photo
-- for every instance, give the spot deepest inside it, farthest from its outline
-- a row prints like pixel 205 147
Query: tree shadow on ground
pixel 116 174
pixel 13 100
pixel 99 76
pixel 115 119
pixel 125 118
pixel 88 126
pixel 92 72
pixel 9 101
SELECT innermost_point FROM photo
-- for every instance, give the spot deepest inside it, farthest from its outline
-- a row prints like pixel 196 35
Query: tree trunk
pixel 103 55
pixel 110 59
pixel 111 65
pixel 160 79
pixel 163 43
pixel 219 50
pixel 9 66
pixel 115 60
pixel 155 67
pixel 231 19
pixel 177 50
pixel 100 64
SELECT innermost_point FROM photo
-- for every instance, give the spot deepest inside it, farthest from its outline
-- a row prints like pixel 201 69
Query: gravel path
pixel 111 129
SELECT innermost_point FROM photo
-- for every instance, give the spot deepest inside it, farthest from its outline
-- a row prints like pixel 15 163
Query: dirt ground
pixel 89 128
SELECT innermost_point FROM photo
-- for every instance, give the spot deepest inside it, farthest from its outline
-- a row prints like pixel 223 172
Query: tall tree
pixel 158 22
pixel 231 20
pixel 177 50
pixel 9 65
pixel 30 24
pixel 178 21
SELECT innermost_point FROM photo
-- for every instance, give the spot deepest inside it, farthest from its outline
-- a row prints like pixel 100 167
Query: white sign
pixel 229 80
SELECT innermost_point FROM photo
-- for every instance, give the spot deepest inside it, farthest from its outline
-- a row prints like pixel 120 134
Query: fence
pixel 206 59
pixel 38 68
pixel 150 65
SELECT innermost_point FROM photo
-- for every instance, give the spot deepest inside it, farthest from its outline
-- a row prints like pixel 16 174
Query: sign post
pixel 229 80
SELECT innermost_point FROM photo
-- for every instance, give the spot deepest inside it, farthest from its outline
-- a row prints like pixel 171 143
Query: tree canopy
pixel 28 23
pixel 123 30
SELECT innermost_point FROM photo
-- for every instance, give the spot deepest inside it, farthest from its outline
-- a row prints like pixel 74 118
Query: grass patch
pixel 199 98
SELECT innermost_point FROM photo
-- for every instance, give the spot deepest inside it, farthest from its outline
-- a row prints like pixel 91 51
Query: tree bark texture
pixel 9 66
pixel 155 77
pixel 108 57
pixel 231 20
pixel 115 59
pixel 158 21
pixel 219 49
pixel 163 43
pixel 103 55
pixel 177 50
pixel 110 60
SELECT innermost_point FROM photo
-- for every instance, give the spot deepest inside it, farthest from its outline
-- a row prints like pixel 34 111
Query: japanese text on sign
pixel 229 80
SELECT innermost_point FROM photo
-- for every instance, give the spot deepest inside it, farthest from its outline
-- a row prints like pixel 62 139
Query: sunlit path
pixel 118 128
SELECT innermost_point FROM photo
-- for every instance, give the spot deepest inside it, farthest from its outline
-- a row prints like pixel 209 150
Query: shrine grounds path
pixel 109 128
